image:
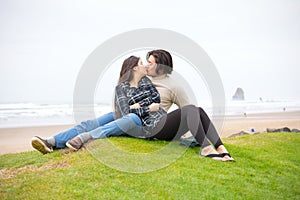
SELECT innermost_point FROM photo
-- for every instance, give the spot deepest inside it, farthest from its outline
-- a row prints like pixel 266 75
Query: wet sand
pixel 260 122
pixel 14 140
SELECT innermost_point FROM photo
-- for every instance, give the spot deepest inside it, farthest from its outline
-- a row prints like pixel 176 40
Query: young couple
pixel 140 111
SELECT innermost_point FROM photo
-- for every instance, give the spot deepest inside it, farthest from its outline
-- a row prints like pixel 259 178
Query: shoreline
pixel 260 122
pixel 17 139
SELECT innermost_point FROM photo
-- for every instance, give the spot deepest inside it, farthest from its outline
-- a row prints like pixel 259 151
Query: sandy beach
pixel 14 140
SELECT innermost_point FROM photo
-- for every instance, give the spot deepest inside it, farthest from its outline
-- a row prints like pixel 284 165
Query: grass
pixel 267 167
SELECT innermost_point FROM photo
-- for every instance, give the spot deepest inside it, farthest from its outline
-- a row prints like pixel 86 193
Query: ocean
pixel 30 114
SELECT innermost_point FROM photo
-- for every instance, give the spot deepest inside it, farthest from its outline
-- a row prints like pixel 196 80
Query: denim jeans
pixel 129 125
pixel 107 128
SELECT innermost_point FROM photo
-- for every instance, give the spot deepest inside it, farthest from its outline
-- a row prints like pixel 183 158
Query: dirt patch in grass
pixel 10 173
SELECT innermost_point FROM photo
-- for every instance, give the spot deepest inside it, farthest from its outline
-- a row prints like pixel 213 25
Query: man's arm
pixel 180 97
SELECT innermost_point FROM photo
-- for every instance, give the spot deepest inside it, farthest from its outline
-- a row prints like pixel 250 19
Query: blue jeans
pixel 130 125
pixel 104 121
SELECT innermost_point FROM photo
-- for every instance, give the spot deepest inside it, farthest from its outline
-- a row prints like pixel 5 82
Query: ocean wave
pixel 30 114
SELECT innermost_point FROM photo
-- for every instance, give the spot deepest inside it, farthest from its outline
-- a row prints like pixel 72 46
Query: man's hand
pixel 154 107
pixel 136 105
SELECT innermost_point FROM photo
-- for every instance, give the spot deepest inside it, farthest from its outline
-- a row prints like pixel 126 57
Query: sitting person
pixel 136 94
pixel 171 93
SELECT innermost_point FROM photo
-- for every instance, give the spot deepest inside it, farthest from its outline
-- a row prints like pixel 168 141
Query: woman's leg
pixel 130 124
pixel 59 141
pixel 127 125
pixel 86 126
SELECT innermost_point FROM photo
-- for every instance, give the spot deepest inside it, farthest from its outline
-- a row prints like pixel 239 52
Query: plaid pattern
pixel 145 95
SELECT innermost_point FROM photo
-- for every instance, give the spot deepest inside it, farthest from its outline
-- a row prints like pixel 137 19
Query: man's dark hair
pixel 163 59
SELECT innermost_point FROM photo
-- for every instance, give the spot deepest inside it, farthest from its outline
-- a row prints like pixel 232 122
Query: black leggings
pixel 188 118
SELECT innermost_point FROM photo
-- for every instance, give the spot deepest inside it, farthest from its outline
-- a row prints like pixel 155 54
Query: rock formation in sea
pixel 239 94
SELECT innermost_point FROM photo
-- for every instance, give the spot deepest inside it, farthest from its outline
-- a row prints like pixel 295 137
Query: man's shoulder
pixel 166 82
pixel 171 81
pixel 178 80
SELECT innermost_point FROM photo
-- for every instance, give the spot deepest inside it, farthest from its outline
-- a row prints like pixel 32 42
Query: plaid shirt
pixel 145 95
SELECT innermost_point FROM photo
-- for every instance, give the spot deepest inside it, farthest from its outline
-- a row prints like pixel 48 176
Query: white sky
pixel 43 44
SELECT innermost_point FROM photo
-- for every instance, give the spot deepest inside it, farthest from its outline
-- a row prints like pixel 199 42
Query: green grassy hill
pixel 267 167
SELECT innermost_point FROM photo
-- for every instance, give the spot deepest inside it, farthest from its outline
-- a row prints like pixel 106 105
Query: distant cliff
pixel 239 94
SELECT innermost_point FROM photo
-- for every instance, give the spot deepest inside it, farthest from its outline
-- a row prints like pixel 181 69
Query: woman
pixel 107 125
pixel 136 94
pixel 140 106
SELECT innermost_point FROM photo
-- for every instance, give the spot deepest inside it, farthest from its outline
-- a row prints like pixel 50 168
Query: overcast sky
pixel 255 45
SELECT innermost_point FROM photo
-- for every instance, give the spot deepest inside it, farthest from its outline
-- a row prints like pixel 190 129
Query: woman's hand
pixel 154 107
pixel 136 105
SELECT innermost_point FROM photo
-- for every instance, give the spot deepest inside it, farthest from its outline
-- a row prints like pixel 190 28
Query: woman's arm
pixel 153 94
pixel 122 105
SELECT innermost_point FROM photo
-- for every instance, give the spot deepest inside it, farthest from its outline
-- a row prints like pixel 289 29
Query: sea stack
pixel 239 95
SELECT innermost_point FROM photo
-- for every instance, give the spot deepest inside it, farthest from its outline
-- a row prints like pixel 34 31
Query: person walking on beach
pixel 171 93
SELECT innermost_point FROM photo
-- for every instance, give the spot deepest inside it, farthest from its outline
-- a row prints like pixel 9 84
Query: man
pixel 172 91
pixel 160 66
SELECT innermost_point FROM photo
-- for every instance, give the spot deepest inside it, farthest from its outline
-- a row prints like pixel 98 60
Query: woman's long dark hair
pixel 126 74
